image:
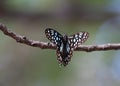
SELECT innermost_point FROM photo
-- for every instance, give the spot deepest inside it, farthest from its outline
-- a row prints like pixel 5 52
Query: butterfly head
pixel 65 37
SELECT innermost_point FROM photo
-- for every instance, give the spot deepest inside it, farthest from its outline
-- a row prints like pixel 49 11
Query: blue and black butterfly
pixel 65 44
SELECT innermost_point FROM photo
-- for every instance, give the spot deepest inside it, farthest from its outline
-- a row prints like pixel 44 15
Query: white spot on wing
pixel 61 47
pixel 74 40
pixel 56 33
pixel 68 48
pixel 52 32
pixel 76 35
pixel 56 38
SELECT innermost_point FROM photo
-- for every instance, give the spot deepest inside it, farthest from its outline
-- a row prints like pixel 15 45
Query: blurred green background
pixel 22 65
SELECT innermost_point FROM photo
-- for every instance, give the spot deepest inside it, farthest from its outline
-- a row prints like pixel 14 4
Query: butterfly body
pixel 63 51
pixel 65 44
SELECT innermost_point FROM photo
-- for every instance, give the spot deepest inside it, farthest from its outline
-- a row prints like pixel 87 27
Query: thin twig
pixel 46 45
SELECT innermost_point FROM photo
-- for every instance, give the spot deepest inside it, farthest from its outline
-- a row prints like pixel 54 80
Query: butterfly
pixel 65 44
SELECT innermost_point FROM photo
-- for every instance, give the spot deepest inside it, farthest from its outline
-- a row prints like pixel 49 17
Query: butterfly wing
pixel 57 39
pixel 77 39
pixel 54 36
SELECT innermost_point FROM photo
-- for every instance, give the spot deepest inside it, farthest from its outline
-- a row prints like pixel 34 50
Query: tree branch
pixel 46 45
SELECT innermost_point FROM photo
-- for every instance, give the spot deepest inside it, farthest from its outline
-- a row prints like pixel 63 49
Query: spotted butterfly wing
pixel 54 36
pixel 58 39
pixel 77 39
